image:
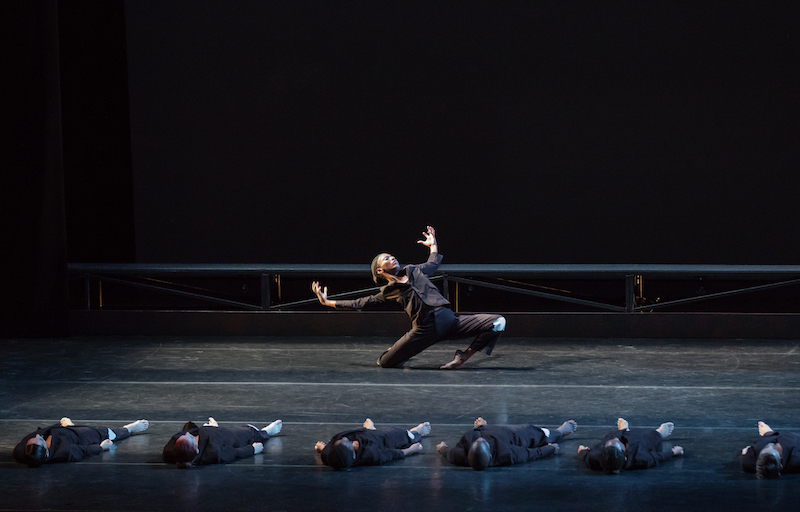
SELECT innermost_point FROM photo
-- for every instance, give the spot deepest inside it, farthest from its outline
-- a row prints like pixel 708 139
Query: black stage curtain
pixel 98 178
pixel 34 295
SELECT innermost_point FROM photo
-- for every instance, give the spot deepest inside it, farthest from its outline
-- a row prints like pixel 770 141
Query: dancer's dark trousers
pixel 444 325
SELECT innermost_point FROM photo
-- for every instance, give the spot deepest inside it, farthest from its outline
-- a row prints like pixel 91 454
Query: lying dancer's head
pixel 768 464
pixel 185 451
pixel 384 263
pixel 613 456
pixel 36 451
pixel 480 454
pixel 342 454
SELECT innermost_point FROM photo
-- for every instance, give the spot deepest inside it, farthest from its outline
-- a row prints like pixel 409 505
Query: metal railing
pixel 163 278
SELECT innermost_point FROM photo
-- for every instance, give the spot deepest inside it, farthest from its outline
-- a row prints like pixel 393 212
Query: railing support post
pixel 265 285
pixel 87 284
pixel 630 293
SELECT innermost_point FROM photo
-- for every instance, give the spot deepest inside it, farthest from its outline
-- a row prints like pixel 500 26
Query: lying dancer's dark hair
pixel 480 454
pixel 184 453
pixel 341 455
pixel 35 455
pixel 612 459
pixel 768 466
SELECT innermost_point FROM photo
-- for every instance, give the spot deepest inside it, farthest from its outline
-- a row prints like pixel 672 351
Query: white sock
pixel 499 325
pixel 546 432
pixel 111 434
pixel 273 428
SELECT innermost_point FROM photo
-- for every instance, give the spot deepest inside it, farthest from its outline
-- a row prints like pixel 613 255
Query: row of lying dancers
pixel 484 446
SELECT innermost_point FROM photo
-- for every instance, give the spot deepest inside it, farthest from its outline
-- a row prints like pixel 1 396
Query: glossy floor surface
pixel 714 392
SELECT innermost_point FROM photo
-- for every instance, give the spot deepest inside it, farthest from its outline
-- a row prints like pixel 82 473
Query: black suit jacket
pixel 509 445
pixel 791 456
pixel 414 295
pixel 643 449
pixel 375 446
pixel 68 444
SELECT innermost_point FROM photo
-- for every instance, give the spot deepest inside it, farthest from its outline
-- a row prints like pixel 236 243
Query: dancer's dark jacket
pixel 218 445
pixel 791 455
pixel 376 447
pixel 509 445
pixel 431 321
pixel 643 449
pixel 70 444
pixel 413 295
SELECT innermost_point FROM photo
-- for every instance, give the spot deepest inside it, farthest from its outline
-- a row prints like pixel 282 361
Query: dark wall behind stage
pixel 544 132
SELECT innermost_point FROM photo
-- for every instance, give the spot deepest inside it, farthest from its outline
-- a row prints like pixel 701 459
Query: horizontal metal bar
pixel 603 271
pixel 534 293
pixel 710 296
pixel 572 271
pixel 344 295
pixel 227 269
pixel 174 292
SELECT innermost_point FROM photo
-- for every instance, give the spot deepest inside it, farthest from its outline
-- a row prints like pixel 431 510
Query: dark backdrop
pixel 96 131
pixel 33 298
pixel 572 132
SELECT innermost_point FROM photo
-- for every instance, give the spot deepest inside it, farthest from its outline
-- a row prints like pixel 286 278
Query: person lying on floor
pixel 370 446
pixel 492 445
pixel 772 454
pixel 212 444
pixel 627 449
pixel 67 442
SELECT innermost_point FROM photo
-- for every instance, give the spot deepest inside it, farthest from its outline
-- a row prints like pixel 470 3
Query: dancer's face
pixel 388 264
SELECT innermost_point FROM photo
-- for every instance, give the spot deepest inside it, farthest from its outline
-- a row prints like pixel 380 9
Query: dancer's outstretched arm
pixel 322 294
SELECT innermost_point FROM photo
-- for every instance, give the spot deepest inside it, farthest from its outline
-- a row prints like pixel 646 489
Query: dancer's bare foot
pixel 622 424
pixel 479 422
pixel 273 428
pixel 554 445
pixel 456 362
pixel 137 426
pixel 763 429
pixel 66 422
pixel 422 429
pixel 666 429
pixel 568 427
pixel 368 424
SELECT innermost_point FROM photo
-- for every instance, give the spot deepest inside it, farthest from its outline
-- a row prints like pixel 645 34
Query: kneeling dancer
pixel 774 453
pixel 212 444
pixel 67 442
pixel 487 446
pixel 628 449
pixel 432 320
pixel 369 446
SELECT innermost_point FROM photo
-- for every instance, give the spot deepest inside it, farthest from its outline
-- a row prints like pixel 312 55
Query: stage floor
pixel 714 392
